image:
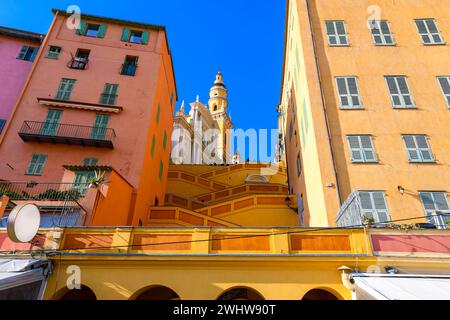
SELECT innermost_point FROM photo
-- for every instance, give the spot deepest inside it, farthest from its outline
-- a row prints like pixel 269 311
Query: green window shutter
pixel 100 126
pixel 158 113
pixel 145 36
pixel 109 94
pixel 165 140
pixel 125 34
pixel 23 52
pixel 82 28
pixel 50 126
pixel 65 89
pixel 37 163
pixel 90 161
pixel 152 150
pixel 161 170
pixel 101 31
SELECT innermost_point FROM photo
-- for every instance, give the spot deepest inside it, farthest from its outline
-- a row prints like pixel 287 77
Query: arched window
pixel 241 293
pixel 319 294
pixel 85 293
pixel 215 108
pixel 157 293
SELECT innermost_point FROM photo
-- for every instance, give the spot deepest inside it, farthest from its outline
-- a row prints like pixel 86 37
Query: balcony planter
pixel 97 180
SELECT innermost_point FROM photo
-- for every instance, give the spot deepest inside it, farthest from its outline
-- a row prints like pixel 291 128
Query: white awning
pixel 401 287
pixel 22 273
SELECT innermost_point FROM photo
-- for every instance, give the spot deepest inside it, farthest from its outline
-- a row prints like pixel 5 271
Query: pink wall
pixel 411 243
pixel 137 96
pixel 13 72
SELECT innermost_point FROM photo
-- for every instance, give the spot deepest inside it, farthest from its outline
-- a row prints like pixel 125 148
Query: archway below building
pixel 157 293
pixel 83 294
pixel 319 294
pixel 241 293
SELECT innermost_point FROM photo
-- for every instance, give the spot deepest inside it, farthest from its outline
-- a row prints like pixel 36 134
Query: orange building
pixel 100 95
pixel 365 110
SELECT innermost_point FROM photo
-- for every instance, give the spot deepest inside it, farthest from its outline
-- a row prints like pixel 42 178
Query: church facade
pixel 202 136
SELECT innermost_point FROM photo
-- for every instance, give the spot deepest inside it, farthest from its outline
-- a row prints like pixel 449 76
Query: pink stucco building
pixel 99 95
pixel 18 49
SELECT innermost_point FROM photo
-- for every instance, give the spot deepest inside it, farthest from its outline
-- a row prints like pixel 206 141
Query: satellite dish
pixel 23 223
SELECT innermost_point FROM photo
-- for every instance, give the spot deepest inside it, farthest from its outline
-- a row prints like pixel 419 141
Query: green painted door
pixel 100 127
pixel 50 126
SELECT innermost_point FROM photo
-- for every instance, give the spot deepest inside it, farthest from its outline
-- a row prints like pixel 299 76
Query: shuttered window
pixel 36 166
pixel 90 162
pixel 361 148
pixel 161 170
pixel 134 36
pixel 348 93
pixel 165 141
pixel 2 124
pixel 100 127
pixel 399 91
pixel 445 86
pixel 381 32
pixel 428 31
pixel 65 89
pixel 109 94
pixel 336 33
pixel 299 165
pixel 158 113
pixel 418 148
pixel 152 150
pixel 373 206
pixel 436 207
pixel 91 30
pixel 53 52
pixel 27 53
pixel 51 123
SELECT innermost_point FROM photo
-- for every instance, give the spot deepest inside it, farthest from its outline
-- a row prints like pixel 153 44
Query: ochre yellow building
pixel 365 110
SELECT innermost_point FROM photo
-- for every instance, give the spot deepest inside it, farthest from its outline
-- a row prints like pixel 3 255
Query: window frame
pixel 40 156
pixel 52 55
pixel 429 33
pixel 87 30
pixel 429 215
pixel 381 34
pixel 417 149
pixel 446 96
pixel 362 151
pixel 374 209
pixel 65 95
pixel 399 94
pixel 349 95
pixel 337 35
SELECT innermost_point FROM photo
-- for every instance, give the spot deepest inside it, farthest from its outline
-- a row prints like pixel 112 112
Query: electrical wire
pixel 61 251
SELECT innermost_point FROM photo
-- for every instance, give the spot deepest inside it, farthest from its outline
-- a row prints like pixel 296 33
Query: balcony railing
pixel 59 203
pixel 33 191
pixel 78 63
pixel 67 134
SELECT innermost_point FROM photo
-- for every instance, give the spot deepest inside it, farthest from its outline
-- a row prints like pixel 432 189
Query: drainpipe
pixel 323 106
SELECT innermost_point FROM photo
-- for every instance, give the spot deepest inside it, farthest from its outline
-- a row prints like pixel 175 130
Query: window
pixel 2 124
pixel 91 30
pixel 299 165
pixel 109 94
pixel 291 130
pixel 152 150
pixel 161 170
pixel 337 35
pixel 134 36
pixel 418 148
pixel 90 162
pixel 158 113
pixel 129 66
pixel 445 86
pixel 50 126
pixel 80 60
pixel 348 93
pixel 361 148
pixel 436 208
pixel 165 141
pixel 373 206
pixel 428 31
pixel 65 89
pixel 100 127
pixel 381 32
pixel 53 52
pixel 172 96
pixel 399 91
pixel 28 53
pixel 36 165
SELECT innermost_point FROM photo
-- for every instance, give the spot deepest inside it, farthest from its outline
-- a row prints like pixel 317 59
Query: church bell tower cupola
pixel 218 96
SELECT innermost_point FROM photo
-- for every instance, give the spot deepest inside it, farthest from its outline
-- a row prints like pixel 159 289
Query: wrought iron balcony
pixel 67 134
pixel 59 203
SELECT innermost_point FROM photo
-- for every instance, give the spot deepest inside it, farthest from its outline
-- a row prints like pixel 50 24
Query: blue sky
pixel 242 38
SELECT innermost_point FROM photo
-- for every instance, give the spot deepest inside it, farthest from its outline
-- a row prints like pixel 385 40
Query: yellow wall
pixel 369 63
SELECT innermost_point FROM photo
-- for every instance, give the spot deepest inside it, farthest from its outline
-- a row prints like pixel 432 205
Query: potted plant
pixel 368 221
pixel 97 180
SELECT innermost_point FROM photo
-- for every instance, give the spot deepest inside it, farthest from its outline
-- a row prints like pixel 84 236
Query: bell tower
pixel 218 105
